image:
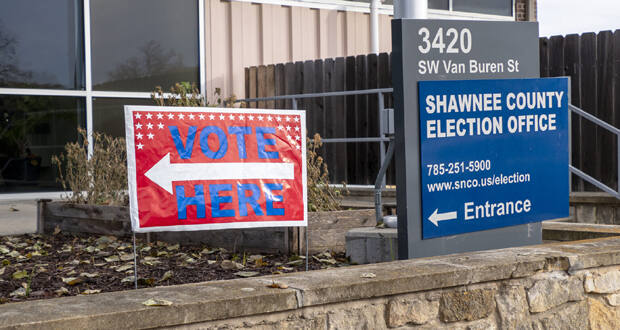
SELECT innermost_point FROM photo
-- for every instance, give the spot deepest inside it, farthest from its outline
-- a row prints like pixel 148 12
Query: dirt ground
pixel 47 266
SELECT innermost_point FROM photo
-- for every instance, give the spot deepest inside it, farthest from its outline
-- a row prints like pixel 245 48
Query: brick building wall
pixel 525 10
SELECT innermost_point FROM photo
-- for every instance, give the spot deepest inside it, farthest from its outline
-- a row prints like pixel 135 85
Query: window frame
pixel 88 93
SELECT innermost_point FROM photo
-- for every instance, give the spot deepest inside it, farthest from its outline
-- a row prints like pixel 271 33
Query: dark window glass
pixel 41 44
pixel 32 130
pixel 439 4
pixel 493 7
pixel 140 44
pixel 108 114
pixel 432 4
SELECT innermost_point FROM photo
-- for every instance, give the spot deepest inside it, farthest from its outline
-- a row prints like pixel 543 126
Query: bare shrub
pixel 102 179
pixel 321 196
pixel 184 94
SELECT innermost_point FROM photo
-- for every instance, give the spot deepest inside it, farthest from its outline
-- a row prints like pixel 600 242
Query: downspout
pixel 374 26
pixel 417 9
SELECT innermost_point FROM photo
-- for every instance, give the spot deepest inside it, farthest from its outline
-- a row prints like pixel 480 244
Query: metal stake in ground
pixel 135 262
pixel 307 248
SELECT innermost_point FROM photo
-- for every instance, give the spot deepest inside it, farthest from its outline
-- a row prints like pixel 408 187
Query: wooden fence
pixel 593 63
pixel 332 117
pixel 591 60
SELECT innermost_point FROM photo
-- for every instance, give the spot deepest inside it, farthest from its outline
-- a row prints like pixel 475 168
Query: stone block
pixel 466 305
pixel 512 307
pixel 370 316
pixel 552 291
pixel 613 299
pixel 415 311
pixel 606 282
pixel 601 316
pixel 573 316
pixel 485 324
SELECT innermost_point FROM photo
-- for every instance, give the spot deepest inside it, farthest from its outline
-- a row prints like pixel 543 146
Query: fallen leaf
pixel 173 247
pixel 14 254
pixel 89 275
pixel 277 285
pixel 288 269
pixel 13 209
pixel 325 255
pixel 295 262
pixel 211 262
pixel 145 249
pixel 208 251
pixel 368 275
pixel 90 291
pixel 126 257
pixel 112 259
pixel 167 276
pixel 157 302
pixel 72 280
pixel 150 261
pixel 123 247
pixel 21 292
pixel 124 267
pixel 62 291
pixel 20 274
pixel 129 279
pixel 90 249
pixel 190 260
pixel 162 253
pixel 229 264
pixel 106 239
pixel 56 230
pixel 328 261
pixel 2 270
pixel 247 274
pixel 4 249
pixel 146 281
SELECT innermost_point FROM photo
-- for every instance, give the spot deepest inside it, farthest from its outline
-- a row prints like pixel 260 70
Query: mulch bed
pixel 48 266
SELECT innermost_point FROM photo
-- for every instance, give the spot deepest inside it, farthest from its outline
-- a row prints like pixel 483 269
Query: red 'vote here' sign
pixel 211 168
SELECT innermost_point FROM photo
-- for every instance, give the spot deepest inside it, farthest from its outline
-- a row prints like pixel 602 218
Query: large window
pixel 74 63
pixel 32 130
pixel 41 44
pixel 492 7
pixel 109 114
pixel 488 7
pixel 439 4
pixel 140 44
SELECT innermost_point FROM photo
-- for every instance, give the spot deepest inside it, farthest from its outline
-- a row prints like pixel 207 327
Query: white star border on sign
pixel 286 126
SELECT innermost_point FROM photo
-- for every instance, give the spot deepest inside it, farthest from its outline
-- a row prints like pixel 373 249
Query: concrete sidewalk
pixel 18 212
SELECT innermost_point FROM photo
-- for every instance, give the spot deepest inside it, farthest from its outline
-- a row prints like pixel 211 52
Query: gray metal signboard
pixel 451 50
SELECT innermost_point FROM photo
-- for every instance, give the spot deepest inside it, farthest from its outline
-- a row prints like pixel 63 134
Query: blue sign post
pixel 494 153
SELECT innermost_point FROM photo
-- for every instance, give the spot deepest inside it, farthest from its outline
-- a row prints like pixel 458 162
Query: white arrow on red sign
pixel 163 173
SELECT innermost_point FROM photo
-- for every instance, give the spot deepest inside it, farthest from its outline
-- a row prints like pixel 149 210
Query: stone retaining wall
pixel 555 286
